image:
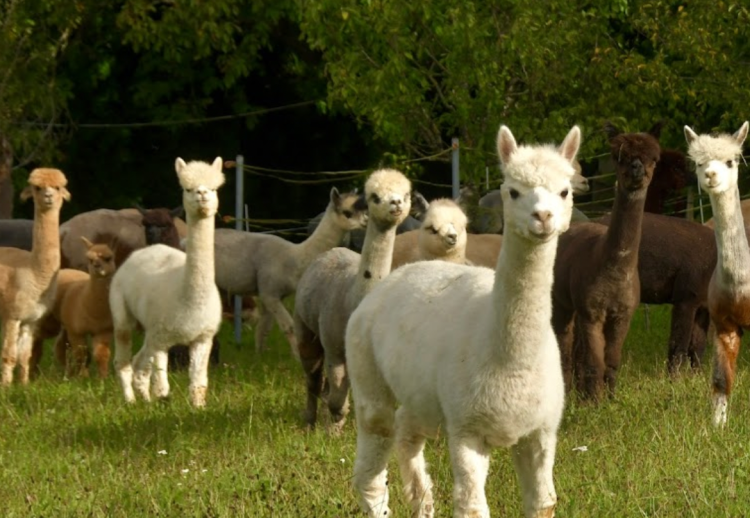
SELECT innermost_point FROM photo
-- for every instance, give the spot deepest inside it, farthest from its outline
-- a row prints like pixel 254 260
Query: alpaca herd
pixel 434 329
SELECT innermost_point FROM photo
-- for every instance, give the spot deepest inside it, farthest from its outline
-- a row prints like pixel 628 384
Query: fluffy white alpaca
pixel 334 284
pixel 442 236
pixel 171 294
pixel 469 351
pixel 717 159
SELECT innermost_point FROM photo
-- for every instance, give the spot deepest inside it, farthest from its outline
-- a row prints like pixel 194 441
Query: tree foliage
pixel 423 71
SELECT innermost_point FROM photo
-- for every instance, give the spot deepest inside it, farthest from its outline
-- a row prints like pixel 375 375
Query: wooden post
pixel 6 183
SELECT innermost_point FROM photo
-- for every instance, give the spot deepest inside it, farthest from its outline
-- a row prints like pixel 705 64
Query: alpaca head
pixel 443 229
pixel 635 156
pixel 388 196
pixel 580 182
pixel 159 225
pixel 349 209
pixel 200 181
pixel 47 187
pixel 716 158
pixel 101 259
pixel 537 188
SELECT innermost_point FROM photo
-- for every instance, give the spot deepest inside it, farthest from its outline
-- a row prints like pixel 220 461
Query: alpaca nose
pixel 451 239
pixel 711 175
pixel 542 215
pixel 636 168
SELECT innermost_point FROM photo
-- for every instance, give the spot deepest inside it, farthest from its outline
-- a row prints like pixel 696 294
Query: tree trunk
pixel 6 184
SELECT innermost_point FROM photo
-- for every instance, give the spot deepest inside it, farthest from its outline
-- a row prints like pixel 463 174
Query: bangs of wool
pixel 196 174
pixel 384 180
pixel 532 166
pixel 707 147
pixel 45 177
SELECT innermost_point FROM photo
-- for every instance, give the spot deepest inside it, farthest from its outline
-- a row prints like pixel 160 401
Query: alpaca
pixel 468 351
pixel 17 233
pixel 442 236
pixel 81 309
pixel 597 288
pixel 171 294
pixel 28 280
pixel 676 258
pixel 717 160
pixel 332 287
pixel 481 249
pixel 671 176
pixel 270 267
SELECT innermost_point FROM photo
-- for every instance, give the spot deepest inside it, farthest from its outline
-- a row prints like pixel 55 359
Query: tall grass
pixel 73 448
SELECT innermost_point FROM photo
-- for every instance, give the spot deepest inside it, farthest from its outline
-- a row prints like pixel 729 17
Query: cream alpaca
pixel 270 267
pixel 81 309
pixel 717 159
pixel 171 294
pixel 468 351
pixel 334 284
pixel 28 280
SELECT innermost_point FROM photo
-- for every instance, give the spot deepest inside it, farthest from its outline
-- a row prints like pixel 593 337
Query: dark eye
pixel 564 194
pixel 348 213
pixel 514 194
pixel 730 163
pixel 188 190
pixel 375 198
pixel 106 259
pixel 700 164
pixel 433 230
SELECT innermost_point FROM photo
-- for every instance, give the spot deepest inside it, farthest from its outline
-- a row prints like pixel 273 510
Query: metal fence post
pixel 454 163
pixel 239 200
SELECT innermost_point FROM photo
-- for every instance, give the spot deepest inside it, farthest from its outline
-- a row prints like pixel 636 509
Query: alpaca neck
pixel 624 233
pixel 199 263
pixel 326 236
pixel 376 259
pixel 733 266
pixel 522 297
pixel 45 249
pixel 96 296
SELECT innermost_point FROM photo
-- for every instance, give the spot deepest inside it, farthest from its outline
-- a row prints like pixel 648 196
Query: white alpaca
pixel 441 236
pixel 469 351
pixel 334 284
pixel 171 294
pixel 716 159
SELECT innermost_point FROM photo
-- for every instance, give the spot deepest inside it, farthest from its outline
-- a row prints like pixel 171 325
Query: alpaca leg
pixel 592 364
pixel 11 330
pixel 62 344
pixel 470 459
pixel 102 353
pixel 79 352
pixel 338 392
pixel 410 453
pixel 159 376
pixel 200 351
pixel 698 338
pixel 37 349
pixel 615 331
pixel 534 458
pixel 374 444
pixel 142 365
pixel 281 315
pixel 265 323
pixel 311 357
pixel 680 333
pixel 563 322
pixel 726 349
pixel 25 344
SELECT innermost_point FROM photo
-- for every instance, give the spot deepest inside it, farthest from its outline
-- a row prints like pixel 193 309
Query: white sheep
pixel 171 294
pixel 334 284
pixel 468 351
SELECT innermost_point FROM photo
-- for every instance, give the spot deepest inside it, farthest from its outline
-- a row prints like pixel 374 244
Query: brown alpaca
pixel 675 261
pixel 81 309
pixel 481 249
pixel 597 288
pixel 28 280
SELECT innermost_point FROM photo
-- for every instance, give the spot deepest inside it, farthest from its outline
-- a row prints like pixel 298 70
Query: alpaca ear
pixel 86 242
pixel 179 164
pixel 506 144
pixel 65 193
pixel 611 130
pixel 28 192
pixel 569 146
pixel 335 197
pixel 177 212
pixel 655 130
pixel 218 163
pixel 741 134
pixel 140 209
pixel 419 205
pixel 690 135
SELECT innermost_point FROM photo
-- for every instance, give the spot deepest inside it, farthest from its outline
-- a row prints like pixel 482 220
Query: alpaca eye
pixel 730 163
pixel 348 214
pixel 433 230
pixel 188 190
pixel 514 194
pixel 564 194
pixel 375 198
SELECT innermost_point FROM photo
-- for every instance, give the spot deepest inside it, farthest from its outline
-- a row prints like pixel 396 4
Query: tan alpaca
pixel 81 309
pixel 28 280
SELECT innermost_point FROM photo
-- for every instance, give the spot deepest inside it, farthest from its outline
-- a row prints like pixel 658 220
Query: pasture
pixel 74 448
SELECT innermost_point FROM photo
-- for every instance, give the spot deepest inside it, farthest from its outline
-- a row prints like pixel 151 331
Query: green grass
pixel 73 448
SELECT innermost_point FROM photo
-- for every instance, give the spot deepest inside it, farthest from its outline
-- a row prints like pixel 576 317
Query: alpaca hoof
pixel 198 396
pixel 336 428
pixel 547 512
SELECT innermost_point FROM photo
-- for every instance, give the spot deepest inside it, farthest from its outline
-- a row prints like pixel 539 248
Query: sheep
pixel 333 285
pixel 269 267
pixel 81 309
pixel 597 288
pixel 717 159
pixel 468 351
pixel 28 280
pixel 16 233
pixel 171 294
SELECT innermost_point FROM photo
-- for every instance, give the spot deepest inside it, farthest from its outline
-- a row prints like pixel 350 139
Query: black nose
pixel 636 169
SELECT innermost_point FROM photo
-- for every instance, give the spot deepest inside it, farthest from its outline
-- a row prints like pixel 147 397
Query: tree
pixel 423 71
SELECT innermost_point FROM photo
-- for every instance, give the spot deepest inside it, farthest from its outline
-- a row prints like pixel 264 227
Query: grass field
pixel 72 448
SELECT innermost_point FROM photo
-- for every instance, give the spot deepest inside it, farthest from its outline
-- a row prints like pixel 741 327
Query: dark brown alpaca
pixel 670 178
pixel 675 261
pixel 596 288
